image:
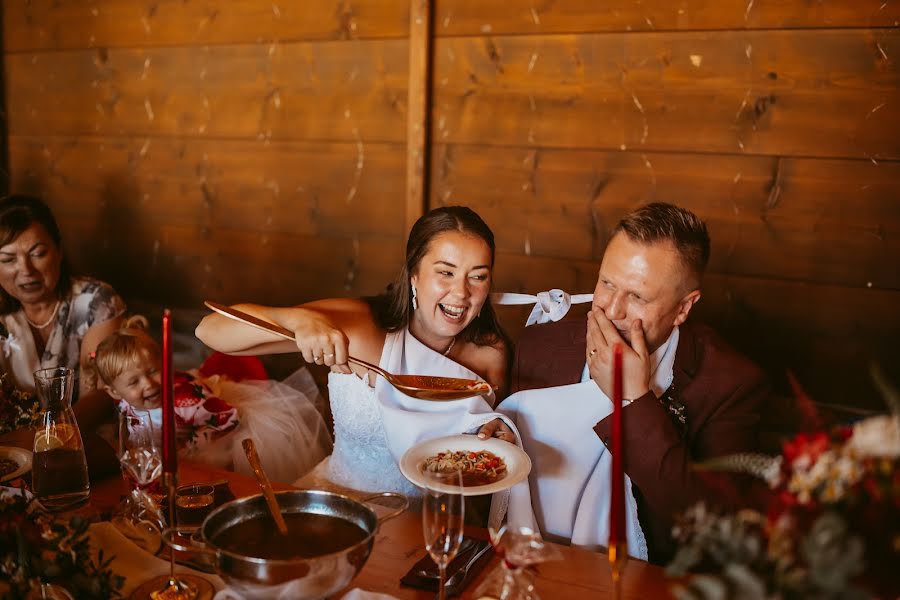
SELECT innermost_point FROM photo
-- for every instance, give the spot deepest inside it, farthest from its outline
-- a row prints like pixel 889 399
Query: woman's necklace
pixel 450 347
pixel 46 323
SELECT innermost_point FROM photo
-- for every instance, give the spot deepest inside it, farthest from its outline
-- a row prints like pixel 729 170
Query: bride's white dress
pixel 361 459
pixel 373 427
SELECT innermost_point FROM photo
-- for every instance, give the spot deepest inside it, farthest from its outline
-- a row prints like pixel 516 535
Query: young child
pixel 214 414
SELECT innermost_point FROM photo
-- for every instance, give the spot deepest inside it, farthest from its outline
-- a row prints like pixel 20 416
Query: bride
pixel 436 319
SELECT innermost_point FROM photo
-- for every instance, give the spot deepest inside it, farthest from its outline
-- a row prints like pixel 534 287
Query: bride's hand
pixel 319 341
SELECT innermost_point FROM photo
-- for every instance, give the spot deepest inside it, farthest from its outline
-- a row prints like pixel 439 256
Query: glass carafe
pixel 59 475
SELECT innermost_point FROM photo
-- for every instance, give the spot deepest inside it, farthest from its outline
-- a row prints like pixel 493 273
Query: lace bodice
pixel 361 459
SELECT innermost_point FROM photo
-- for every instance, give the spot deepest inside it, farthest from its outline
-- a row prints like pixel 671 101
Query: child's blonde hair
pixel 129 346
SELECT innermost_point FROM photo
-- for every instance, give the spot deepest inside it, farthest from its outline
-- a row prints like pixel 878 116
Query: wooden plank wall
pixel 250 149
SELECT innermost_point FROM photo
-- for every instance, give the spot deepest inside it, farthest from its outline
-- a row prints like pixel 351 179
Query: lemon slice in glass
pixel 60 435
pixel 44 441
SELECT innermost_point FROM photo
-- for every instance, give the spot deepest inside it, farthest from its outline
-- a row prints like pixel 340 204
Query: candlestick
pixel 170 453
pixel 617 553
pixel 189 587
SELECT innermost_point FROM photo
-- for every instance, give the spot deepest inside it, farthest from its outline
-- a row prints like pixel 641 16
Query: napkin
pixel 354 594
pixel 131 562
pixel 413 578
pixel 318 582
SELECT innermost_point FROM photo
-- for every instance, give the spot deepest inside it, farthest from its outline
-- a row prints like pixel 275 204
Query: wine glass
pixel 140 517
pixel 140 454
pixel 442 519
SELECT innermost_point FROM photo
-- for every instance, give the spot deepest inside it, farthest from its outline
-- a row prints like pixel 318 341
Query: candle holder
pixel 173 586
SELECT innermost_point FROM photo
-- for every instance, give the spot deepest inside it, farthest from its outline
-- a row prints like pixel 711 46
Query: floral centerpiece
pixel 832 529
pixel 37 547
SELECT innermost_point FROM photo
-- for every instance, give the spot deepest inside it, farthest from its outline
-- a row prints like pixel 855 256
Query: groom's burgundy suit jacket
pixel 713 408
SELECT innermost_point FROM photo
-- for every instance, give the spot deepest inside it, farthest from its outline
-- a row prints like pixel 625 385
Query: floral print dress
pixel 88 302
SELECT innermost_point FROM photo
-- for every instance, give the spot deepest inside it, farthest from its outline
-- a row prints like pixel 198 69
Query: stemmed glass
pixel 140 454
pixel 140 517
pixel 442 519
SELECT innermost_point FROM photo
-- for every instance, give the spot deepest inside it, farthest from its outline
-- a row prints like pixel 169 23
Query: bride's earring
pixel 415 302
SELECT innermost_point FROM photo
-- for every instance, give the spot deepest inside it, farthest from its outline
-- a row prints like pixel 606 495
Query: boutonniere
pixel 676 409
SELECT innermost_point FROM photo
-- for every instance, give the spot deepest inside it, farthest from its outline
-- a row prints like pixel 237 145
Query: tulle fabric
pixel 283 418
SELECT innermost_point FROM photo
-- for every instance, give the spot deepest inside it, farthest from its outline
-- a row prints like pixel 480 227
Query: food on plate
pixel 478 467
pixel 7 466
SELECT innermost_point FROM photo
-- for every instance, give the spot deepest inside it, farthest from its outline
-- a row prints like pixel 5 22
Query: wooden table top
pixel 399 545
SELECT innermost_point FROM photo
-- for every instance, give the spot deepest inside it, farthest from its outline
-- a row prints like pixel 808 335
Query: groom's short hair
pixel 660 222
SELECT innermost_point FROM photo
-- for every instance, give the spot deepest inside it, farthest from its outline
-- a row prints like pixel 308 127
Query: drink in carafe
pixel 59 475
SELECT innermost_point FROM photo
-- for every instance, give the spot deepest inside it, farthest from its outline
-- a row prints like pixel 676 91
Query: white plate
pixel 518 465
pixel 21 456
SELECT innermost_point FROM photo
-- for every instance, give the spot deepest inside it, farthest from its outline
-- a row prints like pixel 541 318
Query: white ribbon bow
pixel 549 306
pixel 8 344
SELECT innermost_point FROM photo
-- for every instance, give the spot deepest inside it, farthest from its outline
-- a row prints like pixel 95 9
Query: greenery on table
pixel 832 529
pixel 36 546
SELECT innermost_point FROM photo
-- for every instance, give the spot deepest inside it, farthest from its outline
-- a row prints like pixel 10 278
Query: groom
pixel 648 283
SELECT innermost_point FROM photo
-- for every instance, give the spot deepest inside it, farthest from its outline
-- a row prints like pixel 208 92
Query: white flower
pixel 772 472
pixel 877 436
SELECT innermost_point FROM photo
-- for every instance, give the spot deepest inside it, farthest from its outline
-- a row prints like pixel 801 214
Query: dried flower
pixel 877 436
pixel 835 517
pixel 36 546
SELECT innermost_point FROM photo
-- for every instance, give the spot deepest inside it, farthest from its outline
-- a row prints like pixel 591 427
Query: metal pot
pixel 315 577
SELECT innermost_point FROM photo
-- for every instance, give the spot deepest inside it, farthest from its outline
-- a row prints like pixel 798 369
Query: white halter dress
pixel 374 427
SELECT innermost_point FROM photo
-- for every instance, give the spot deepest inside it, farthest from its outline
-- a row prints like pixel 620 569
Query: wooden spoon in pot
pixel 264 485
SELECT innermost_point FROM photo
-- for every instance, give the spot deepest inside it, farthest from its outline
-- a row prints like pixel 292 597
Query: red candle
pixel 169 451
pixel 617 537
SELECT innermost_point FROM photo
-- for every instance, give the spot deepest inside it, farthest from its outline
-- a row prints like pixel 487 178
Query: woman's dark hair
pixel 18 213
pixel 392 309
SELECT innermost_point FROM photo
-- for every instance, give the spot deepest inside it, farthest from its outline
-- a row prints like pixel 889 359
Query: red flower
pixel 214 404
pixel 806 444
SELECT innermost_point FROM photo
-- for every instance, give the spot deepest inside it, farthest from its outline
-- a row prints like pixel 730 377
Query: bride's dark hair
pixel 393 309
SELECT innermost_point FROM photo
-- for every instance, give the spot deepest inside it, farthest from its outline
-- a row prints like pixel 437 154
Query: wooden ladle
pixel 425 387
pixel 264 485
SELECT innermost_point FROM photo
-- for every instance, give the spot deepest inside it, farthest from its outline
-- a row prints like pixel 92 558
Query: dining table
pixel 579 573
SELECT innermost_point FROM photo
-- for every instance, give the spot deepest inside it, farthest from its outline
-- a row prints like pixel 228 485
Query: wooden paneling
pixel 183 265
pixel 828 221
pixel 466 17
pixel 174 221
pixel 270 188
pixel 50 24
pixel 327 91
pixel 811 93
